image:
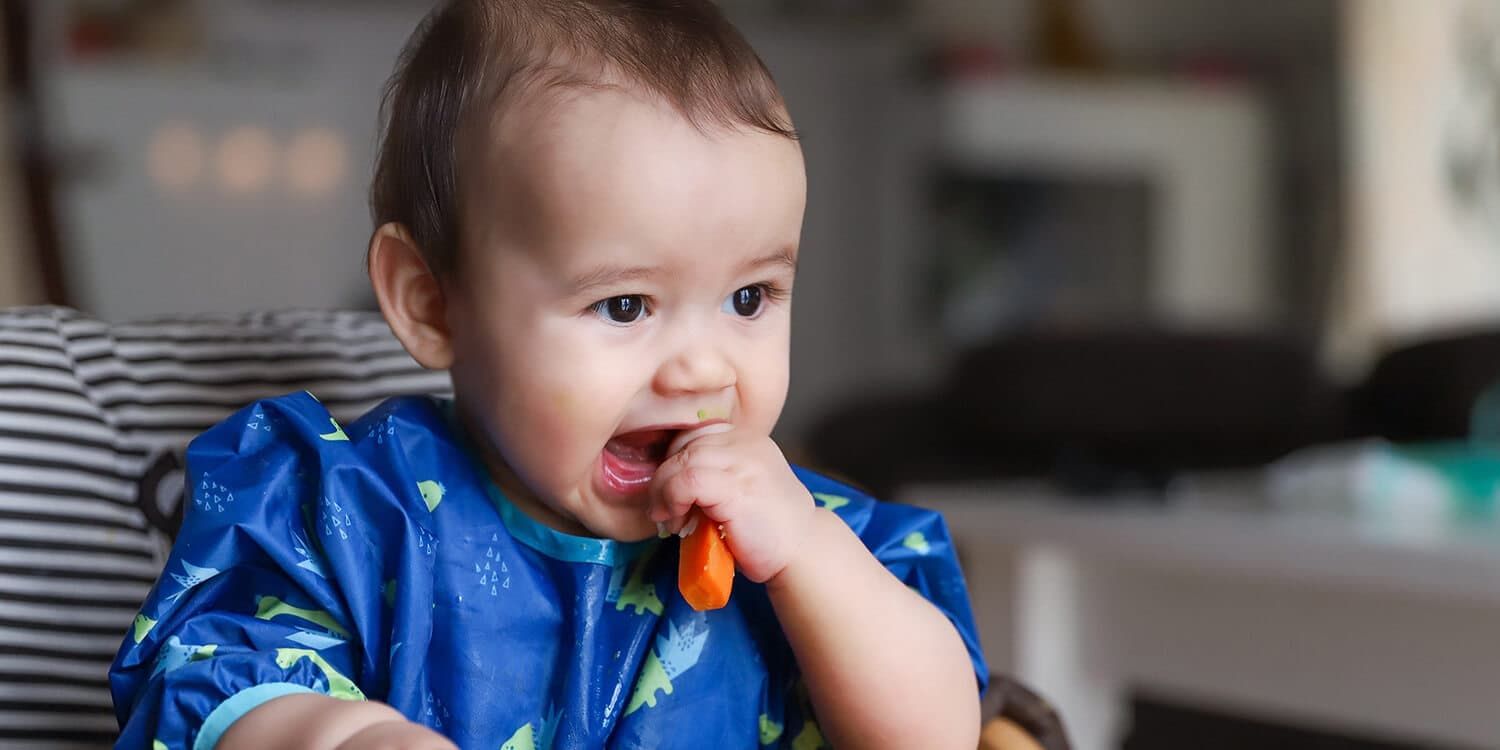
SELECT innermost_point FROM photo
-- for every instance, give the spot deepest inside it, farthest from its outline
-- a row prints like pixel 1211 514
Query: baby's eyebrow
pixel 785 257
pixel 607 276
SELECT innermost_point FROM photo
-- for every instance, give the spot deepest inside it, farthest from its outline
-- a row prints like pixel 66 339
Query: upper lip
pixel 676 427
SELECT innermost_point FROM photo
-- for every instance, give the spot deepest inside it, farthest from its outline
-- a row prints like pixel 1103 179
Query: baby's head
pixel 589 211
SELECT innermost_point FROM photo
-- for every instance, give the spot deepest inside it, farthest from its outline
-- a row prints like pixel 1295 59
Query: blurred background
pixel 1184 311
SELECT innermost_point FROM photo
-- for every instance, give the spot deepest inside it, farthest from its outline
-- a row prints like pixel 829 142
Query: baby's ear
pixel 411 298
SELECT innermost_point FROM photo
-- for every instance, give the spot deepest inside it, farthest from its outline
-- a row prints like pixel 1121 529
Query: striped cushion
pixel 94 420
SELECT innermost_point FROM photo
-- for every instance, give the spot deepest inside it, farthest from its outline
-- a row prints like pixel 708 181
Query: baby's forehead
pixel 547 106
pixel 615 167
pixel 577 130
pixel 533 139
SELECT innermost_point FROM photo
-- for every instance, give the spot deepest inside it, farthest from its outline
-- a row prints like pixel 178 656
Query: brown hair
pixel 469 58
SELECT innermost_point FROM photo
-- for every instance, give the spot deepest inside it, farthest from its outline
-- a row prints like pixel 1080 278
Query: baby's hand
pixel 743 482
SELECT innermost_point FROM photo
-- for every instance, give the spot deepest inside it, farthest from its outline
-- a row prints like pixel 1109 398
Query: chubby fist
pixel 742 482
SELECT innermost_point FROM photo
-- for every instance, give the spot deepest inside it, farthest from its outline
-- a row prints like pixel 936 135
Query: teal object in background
pixel 1403 487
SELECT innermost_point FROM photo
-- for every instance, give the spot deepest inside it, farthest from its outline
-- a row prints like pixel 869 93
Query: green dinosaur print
pixel 529 738
pixel 916 542
pixel 339 686
pixel 809 738
pixel 143 625
pixel 675 653
pixel 337 434
pixel 432 493
pixel 523 739
pixel 388 593
pixel 653 678
pixel 269 607
pixel 158 745
pixel 831 502
pixel 770 731
pixel 637 593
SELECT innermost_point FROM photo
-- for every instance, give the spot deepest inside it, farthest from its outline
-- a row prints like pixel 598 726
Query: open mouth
pixel 641 446
pixel 630 459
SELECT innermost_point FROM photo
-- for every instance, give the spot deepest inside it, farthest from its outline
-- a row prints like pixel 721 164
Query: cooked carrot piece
pixel 705 573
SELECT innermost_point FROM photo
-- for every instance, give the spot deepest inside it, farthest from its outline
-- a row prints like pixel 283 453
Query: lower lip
pixel 626 479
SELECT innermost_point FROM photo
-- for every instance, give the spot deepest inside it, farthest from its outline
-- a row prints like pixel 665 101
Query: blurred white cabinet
pixel 234 183
pixel 1202 152
pixel 1365 625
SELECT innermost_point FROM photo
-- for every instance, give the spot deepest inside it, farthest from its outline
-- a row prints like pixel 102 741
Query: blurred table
pixel 1378 628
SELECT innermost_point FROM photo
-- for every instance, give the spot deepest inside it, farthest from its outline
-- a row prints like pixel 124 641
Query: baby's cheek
pixel 763 395
pixel 553 421
pixel 566 428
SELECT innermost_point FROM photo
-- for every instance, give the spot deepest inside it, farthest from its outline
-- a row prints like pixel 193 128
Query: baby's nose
pixel 697 370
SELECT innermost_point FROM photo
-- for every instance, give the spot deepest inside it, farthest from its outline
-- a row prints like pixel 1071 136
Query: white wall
pixel 1417 261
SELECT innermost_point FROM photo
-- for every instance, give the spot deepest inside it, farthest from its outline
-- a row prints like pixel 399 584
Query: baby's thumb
pixel 688 436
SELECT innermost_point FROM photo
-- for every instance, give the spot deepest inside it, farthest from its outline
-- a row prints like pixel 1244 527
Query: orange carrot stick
pixel 705 573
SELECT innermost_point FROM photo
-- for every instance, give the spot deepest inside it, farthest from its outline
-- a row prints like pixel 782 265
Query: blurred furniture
pixel 1094 410
pixel 94 423
pixel 1427 388
pixel 1105 411
pixel 1199 156
pixel 1377 628
pixel 1023 721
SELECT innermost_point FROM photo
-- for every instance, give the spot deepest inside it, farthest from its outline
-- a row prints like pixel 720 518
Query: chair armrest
pixel 1025 721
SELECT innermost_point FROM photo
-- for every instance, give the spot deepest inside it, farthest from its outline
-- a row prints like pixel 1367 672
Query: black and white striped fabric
pixel 94 421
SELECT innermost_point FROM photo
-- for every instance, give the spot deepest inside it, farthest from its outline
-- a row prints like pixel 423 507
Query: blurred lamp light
pixel 246 159
pixel 316 161
pixel 175 157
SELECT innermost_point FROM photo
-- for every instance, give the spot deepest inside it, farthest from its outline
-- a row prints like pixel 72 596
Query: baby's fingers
pixel 676 494
pixel 687 437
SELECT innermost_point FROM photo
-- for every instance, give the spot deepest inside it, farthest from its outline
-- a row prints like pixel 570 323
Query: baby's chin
pixel 619 524
pixel 582 512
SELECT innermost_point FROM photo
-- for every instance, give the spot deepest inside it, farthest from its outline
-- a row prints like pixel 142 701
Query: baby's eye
pixel 745 302
pixel 622 310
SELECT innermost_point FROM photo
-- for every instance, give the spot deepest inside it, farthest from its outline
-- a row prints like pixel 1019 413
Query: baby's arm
pixel 883 666
pixel 317 722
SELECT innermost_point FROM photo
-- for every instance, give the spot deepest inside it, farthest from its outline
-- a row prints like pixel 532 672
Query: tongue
pixel 642 446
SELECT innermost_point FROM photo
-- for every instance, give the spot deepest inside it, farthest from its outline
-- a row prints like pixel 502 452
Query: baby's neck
pixel 528 503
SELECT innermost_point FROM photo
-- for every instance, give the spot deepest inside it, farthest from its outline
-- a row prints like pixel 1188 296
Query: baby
pixel 588 212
